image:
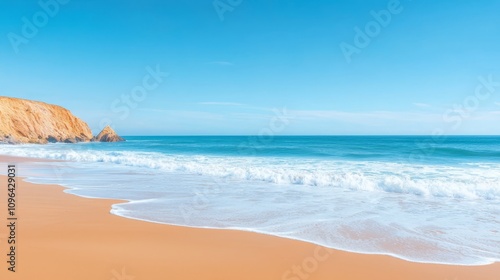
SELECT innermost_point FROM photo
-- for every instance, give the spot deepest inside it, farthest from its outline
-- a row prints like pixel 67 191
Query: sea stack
pixel 26 121
pixel 108 135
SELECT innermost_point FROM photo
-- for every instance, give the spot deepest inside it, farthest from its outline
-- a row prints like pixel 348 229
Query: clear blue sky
pixel 229 69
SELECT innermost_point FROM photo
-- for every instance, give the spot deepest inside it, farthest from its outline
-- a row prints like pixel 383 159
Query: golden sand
pixel 65 237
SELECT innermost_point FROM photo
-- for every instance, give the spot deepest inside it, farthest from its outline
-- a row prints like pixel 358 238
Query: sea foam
pixel 467 181
pixel 423 212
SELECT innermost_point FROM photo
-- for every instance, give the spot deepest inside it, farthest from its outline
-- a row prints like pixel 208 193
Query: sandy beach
pixel 62 236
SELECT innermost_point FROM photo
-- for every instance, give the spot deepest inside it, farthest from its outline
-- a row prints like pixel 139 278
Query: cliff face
pixel 25 121
pixel 108 135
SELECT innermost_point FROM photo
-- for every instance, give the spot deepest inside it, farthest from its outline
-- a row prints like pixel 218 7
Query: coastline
pixel 64 236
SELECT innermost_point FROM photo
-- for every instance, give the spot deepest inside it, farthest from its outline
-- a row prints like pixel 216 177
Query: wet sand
pixel 63 236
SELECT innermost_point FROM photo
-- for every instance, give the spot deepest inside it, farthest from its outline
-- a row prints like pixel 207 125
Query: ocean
pixel 418 198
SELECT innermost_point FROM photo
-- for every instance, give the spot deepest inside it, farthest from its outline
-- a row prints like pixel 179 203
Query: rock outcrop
pixel 108 135
pixel 26 121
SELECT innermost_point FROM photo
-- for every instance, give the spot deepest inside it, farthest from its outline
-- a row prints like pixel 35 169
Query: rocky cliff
pixel 25 121
pixel 108 135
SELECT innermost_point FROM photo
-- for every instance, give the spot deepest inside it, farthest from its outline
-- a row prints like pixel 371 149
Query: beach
pixel 63 236
pixel 263 140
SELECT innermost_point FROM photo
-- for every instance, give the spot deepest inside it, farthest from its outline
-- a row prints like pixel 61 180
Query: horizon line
pixel 311 135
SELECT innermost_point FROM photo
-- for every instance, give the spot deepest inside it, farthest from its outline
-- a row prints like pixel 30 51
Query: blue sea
pixel 419 198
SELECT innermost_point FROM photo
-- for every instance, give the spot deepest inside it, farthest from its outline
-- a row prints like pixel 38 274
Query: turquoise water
pixel 418 198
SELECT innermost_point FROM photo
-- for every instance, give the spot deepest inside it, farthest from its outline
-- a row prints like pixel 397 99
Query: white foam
pixel 465 182
pixel 423 213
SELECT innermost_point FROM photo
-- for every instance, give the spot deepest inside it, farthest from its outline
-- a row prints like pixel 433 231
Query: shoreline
pixel 285 237
pixel 66 236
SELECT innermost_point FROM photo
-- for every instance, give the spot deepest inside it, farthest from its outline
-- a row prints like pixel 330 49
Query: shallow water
pixel 408 197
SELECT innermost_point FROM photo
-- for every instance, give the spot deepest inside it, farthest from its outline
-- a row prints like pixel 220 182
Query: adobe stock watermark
pixel 123 105
pixel 122 275
pixel 63 167
pixel 460 112
pixel 309 265
pixel 200 200
pixel 277 124
pixel 363 36
pixel 223 6
pixel 454 117
pixel 31 26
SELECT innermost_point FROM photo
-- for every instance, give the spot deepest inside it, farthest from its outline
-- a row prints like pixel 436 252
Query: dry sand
pixel 62 236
